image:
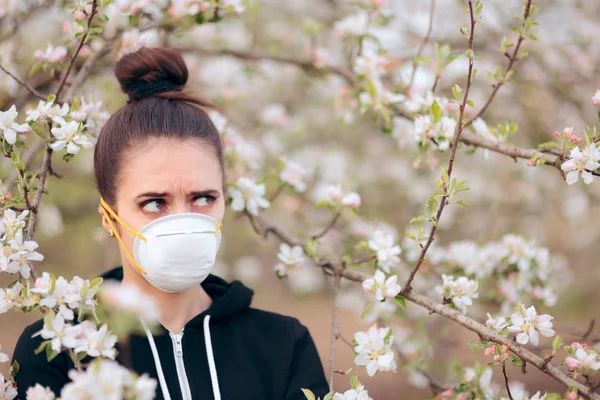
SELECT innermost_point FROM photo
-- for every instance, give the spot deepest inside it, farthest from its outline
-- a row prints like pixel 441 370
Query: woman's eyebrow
pixel 152 194
pixel 206 192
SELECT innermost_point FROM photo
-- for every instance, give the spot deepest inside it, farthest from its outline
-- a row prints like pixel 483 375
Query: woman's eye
pixel 154 206
pixel 204 200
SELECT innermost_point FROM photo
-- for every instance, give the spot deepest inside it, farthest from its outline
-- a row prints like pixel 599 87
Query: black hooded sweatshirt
pixel 257 355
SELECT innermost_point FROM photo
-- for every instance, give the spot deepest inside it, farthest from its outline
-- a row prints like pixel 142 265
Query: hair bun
pixel 149 72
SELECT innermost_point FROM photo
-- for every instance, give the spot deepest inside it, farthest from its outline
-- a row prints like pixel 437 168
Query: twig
pixel 277 193
pixel 46 163
pixel 24 84
pixel 584 335
pixel 436 308
pixel 61 85
pixel 328 227
pixel 506 382
pixel 307 65
pixel 459 129
pixel 423 44
pixel 334 326
pixel 32 151
pixel 345 340
pixel 75 360
pixel 513 58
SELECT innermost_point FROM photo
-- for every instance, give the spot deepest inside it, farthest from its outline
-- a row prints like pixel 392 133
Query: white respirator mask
pixel 174 253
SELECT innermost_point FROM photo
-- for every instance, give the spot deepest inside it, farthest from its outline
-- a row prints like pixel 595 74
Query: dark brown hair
pixel 157 108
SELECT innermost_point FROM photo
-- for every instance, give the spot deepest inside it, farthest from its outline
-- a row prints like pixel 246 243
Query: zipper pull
pixel 178 346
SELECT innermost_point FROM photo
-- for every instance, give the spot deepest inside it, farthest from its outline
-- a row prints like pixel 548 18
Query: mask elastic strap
pixel 104 208
pixel 120 221
pixel 218 229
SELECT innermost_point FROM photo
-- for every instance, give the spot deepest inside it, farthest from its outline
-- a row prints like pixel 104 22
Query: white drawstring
pixel 211 359
pixel 159 370
pixel 209 355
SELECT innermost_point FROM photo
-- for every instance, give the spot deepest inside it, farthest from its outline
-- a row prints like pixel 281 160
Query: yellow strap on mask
pixel 218 229
pixel 104 208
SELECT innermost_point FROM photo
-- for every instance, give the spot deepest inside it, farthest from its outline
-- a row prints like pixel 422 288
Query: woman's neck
pixel 176 309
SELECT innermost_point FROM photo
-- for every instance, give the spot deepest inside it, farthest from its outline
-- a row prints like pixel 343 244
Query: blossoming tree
pixel 426 104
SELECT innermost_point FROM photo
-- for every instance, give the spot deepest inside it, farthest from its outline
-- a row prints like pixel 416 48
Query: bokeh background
pixel 281 109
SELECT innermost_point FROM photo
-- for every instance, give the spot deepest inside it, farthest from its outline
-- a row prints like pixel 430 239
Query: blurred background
pixel 280 109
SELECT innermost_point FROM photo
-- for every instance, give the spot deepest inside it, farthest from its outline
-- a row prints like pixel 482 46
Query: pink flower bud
pixel 596 99
pixel 505 356
pixel 572 363
pixel 579 140
pixel 568 131
pixel 447 394
pixel 556 133
pixel 531 162
pixel 461 396
pixel 66 26
pixel 489 351
pixel 572 396
pixel 39 55
pixel 496 357
pixel 80 15
pixel 504 348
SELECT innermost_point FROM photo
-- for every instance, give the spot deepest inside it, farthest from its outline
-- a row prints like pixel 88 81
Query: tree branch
pixel 24 84
pixel 328 227
pixel 506 382
pixel 459 129
pixel 61 85
pixel 432 306
pixel 306 65
pixel 513 58
pixel 422 45
pixel 335 330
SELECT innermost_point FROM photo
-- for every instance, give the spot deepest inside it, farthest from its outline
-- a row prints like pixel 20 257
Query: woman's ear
pixel 105 223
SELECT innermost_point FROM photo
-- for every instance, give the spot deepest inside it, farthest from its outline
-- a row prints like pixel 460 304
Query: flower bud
pixel 80 15
pixel 596 99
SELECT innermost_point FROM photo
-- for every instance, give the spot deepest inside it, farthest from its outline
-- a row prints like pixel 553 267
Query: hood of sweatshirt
pixel 228 299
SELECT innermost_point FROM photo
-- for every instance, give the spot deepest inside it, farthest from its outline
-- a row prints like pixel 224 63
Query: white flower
pixel 145 388
pixel 381 287
pixel 3 357
pixel 9 297
pixel 353 394
pixel 54 331
pixel 98 343
pixel 12 226
pixel 294 174
pixel 529 325
pixel 10 129
pixel 580 163
pixel 133 40
pixel 129 298
pixel 460 291
pixel 355 24
pixel 596 99
pixel 69 135
pixel 274 114
pixel 8 390
pixel 584 359
pixel 387 253
pixel 183 8
pixel 236 6
pixel 38 392
pixel 538 396
pixel 351 200
pixel 373 350
pixel 51 55
pixel 249 195
pixel 48 111
pixel 290 257
pixel 497 323
pixel 92 113
pixel 17 256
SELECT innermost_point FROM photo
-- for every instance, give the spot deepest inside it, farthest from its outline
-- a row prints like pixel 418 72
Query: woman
pixel 159 171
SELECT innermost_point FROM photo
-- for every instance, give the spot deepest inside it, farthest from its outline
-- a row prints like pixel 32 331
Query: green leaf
pixel 418 219
pixel 50 354
pixel 469 53
pixel 95 282
pixel 401 301
pixel 41 347
pixel 463 203
pixel 553 396
pixel 436 111
pixel 51 98
pixel 470 103
pixel 457 92
pixel 81 356
pixel 548 145
pixel 14 369
pixel 324 204
pixel 516 361
pixel 557 343
pixel 68 157
pixel 598 115
pixel 311 247
pixel 328 396
pixel 450 57
pixel 354 383
pixel 35 69
pixel 309 395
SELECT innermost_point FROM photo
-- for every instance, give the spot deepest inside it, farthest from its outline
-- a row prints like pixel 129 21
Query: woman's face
pixel 161 177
